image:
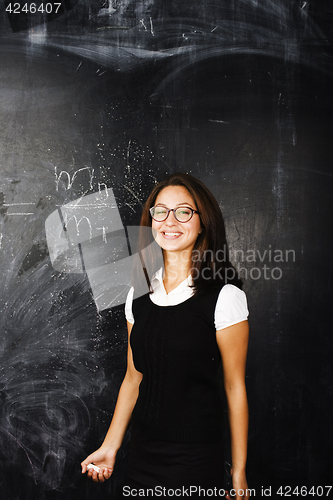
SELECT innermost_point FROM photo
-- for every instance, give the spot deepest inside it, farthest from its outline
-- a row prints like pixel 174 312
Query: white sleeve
pixel 231 307
pixel 128 306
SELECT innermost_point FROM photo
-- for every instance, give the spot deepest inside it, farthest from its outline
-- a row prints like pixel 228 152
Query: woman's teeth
pixel 171 234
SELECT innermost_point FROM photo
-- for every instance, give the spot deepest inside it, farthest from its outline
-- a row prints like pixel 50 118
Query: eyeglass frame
pixel 174 213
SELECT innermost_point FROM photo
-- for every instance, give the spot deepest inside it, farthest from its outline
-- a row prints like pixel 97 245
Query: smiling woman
pixel 175 235
pixel 192 319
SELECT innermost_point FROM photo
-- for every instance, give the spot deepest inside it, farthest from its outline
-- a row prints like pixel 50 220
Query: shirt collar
pixel 158 280
pixel 158 276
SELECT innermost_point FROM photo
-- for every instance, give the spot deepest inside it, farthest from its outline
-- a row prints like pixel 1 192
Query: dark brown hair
pixel 210 255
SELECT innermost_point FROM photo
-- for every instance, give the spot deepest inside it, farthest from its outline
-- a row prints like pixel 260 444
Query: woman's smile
pixel 171 235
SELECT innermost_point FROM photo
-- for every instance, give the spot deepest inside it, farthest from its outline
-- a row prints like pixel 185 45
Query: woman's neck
pixel 177 267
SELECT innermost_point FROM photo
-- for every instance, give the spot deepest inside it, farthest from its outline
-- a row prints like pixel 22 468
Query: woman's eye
pixel 184 211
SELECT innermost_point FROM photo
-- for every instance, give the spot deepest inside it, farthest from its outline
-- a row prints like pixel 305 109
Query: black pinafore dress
pixel 176 435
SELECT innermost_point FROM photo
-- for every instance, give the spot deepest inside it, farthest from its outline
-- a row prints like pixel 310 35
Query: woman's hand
pixel 105 459
pixel 239 485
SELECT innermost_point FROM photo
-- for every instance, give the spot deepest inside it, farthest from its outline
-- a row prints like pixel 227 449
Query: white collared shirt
pixel 231 305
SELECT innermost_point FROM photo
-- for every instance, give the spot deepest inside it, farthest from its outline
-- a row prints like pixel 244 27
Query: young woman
pixel 194 317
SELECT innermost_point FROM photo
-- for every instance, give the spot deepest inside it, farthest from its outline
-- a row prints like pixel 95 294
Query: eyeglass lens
pixel 182 214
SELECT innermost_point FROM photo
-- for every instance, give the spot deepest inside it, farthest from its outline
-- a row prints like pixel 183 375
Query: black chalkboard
pixel 113 96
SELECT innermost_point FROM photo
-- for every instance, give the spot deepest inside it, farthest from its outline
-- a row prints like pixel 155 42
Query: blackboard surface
pixel 117 95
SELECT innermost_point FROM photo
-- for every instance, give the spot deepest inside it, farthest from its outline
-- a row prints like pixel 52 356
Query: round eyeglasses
pixel 182 214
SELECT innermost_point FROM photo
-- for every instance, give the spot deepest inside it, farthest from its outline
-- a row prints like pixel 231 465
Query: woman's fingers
pixel 105 474
pixel 100 476
pixel 95 476
pixel 108 473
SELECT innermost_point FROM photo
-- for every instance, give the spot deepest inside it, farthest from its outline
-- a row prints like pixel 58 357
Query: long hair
pixel 210 255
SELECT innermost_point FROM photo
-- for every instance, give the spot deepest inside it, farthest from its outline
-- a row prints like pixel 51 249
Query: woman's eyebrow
pixel 186 204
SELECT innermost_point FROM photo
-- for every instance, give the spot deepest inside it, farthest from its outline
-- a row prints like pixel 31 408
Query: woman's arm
pixel 105 456
pixel 233 342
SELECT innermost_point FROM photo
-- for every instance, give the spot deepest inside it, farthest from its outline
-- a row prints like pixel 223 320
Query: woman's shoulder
pixel 128 306
pixel 232 291
pixel 134 302
pixel 231 307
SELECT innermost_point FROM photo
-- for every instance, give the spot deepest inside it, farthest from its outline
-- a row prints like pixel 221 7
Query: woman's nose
pixel 171 219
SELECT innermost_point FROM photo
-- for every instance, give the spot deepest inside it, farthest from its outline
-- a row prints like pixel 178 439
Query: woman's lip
pixel 171 235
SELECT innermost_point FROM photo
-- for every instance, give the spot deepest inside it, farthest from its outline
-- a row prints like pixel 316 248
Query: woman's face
pixel 172 235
